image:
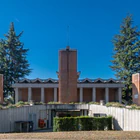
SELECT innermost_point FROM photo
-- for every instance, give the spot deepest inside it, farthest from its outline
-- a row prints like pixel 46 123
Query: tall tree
pixel 126 57
pixel 13 62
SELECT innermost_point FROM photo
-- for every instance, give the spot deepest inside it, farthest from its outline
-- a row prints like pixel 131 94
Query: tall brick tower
pixel 136 88
pixel 67 75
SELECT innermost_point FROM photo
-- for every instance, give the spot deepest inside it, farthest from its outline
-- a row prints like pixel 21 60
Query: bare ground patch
pixel 77 135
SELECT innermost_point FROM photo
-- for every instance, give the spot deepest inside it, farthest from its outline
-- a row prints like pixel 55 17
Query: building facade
pixel 68 87
pixel 136 88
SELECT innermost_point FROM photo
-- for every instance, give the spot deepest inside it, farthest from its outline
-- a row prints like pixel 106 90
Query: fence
pixel 26 113
pixel 123 119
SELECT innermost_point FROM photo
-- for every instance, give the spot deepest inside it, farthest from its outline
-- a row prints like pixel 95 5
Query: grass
pixel 79 135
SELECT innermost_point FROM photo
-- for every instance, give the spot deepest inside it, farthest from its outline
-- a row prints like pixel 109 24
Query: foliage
pixel 9 100
pixel 39 103
pixel 54 102
pixel 114 104
pixel 134 106
pixel 126 57
pixel 13 62
pixel 96 103
pixel 83 123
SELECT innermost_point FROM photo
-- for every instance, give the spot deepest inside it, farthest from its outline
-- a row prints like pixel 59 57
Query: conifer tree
pixel 13 62
pixel 126 57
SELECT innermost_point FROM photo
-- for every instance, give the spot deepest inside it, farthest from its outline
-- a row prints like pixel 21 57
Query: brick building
pixel 68 87
pixel 136 88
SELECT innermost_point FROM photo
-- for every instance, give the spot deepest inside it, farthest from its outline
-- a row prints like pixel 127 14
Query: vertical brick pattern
pixel 113 95
pixel 78 95
pixel 87 95
pixel 100 94
pixel 136 88
pixel 49 95
pixel 23 94
pixel 36 94
pixel 1 88
pixel 67 76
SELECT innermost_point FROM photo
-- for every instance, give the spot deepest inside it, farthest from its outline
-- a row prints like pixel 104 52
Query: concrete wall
pixel 26 113
pixel 123 119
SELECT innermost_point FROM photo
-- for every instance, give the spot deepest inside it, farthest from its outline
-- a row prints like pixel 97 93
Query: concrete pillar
pixel 42 94
pixel 1 88
pixel 120 94
pixel 81 112
pixel 81 94
pixel 16 95
pixel 94 94
pixel 85 113
pixel 29 94
pixel 49 117
pixel 106 95
pixel 55 94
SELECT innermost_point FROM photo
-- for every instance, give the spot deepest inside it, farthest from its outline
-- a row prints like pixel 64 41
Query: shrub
pixel 83 123
pixel 114 104
pixel 1 107
pixel 54 102
pixel 65 124
pixel 134 106
pixel 39 103
pixel 96 103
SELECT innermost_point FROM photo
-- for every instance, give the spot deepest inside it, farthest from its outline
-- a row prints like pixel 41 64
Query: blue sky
pixel 92 25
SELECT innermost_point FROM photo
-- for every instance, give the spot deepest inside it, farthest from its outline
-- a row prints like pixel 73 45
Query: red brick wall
pixel 87 94
pixel 67 76
pixel 78 95
pixel 36 94
pixel 49 95
pixel 57 95
pixel 23 94
pixel 136 88
pixel 113 95
pixel 100 94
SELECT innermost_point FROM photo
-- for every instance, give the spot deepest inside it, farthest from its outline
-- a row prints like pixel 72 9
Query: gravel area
pixel 76 135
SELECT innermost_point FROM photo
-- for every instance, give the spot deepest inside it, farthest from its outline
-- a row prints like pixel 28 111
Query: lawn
pixel 78 135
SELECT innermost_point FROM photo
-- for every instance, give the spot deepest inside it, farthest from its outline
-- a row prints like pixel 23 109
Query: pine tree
pixel 13 62
pixel 126 57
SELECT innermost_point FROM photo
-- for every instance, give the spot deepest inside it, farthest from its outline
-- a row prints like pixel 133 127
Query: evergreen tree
pixel 13 62
pixel 126 57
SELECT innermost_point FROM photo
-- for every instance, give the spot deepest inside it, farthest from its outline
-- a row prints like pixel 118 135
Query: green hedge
pixel 82 123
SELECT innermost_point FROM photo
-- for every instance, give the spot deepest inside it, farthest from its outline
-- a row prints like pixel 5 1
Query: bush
pixel 39 103
pixel 114 104
pixel 83 123
pixel 65 124
pixel 96 103
pixel 54 102
pixel 134 106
